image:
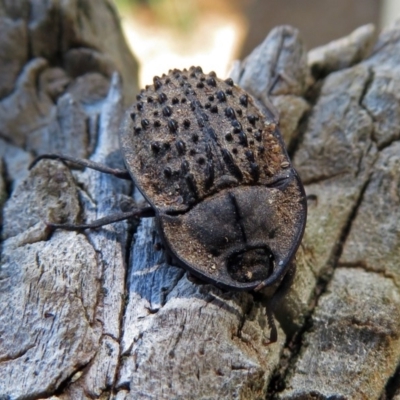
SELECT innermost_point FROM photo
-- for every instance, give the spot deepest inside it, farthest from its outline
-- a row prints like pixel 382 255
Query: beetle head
pixel 240 237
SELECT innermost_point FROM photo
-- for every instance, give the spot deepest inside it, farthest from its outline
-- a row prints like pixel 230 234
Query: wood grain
pixel 100 314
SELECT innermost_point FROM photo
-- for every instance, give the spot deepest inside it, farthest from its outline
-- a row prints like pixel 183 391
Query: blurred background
pixel 165 34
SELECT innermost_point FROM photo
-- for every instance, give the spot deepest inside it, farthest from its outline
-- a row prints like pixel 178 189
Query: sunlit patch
pixel 213 43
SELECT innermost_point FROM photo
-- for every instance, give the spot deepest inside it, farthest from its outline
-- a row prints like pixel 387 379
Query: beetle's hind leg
pixel 119 173
pixel 145 212
pixel 275 300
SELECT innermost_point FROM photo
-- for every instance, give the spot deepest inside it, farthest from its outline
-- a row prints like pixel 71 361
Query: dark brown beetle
pixel 229 206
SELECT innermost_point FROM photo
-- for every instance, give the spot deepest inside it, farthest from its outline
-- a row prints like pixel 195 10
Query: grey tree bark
pixel 100 314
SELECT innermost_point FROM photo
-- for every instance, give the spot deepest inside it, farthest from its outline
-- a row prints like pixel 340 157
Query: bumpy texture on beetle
pixel 230 206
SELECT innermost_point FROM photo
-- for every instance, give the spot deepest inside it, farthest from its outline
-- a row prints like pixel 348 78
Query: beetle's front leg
pixel 145 212
pixel 276 298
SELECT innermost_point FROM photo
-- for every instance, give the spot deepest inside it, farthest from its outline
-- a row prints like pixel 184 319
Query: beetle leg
pixel 275 300
pixel 145 212
pixel 273 334
pixel 194 279
pixel 119 173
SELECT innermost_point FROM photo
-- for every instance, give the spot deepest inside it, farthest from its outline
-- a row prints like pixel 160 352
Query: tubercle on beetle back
pixel 220 116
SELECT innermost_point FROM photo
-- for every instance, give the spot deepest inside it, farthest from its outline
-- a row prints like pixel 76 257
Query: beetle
pixel 229 206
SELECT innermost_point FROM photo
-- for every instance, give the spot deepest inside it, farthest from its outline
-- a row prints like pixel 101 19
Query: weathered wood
pixel 352 346
pixel 101 314
pixel 342 53
pixel 62 295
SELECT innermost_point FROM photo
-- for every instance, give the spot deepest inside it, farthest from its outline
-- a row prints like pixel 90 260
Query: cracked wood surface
pixel 100 314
